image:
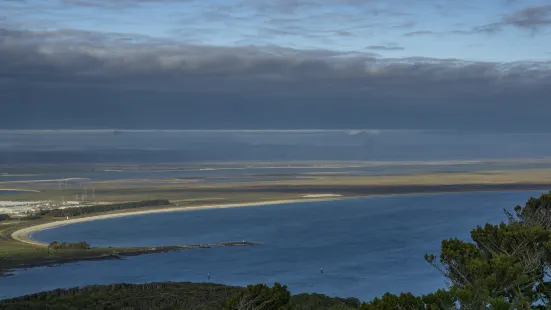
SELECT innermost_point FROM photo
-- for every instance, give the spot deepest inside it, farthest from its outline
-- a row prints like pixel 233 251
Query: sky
pixel 279 64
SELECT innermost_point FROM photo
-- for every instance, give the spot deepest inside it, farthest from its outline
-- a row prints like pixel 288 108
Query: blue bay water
pixel 10 192
pixel 366 246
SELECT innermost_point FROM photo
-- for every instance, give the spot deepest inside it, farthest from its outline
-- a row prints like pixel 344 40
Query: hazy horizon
pixel 21 146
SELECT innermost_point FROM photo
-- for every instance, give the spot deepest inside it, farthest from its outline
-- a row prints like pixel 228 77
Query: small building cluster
pixel 17 209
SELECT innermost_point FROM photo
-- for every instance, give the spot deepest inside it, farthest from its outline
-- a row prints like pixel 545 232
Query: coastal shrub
pixel 260 296
pixel 4 217
pixel 77 211
pixel 320 301
pixel 31 217
pixel 64 245
pixel 440 300
pixel 168 295
pixel 506 266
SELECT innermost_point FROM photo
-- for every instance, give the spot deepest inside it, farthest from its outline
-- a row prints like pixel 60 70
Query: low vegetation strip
pixel 172 295
pixel 77 211
pixel 64 245
pixel 61 253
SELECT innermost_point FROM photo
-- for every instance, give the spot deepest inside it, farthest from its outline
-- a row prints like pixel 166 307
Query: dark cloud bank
pixel 76 79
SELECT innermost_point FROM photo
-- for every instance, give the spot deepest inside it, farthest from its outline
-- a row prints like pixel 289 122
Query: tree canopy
pixel 505 266
pixel 83 245
pixel 76 211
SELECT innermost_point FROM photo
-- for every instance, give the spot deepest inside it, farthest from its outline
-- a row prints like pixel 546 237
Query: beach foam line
pixel 321 195
pixel 24 234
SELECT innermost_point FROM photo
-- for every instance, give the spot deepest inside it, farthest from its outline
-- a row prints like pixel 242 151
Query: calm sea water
pixel 10 192
pixel 366 247
pixel 157 146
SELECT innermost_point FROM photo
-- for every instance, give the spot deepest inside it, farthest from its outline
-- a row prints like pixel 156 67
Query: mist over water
pixel 155 146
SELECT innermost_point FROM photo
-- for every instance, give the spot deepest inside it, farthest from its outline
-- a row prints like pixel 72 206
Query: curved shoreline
pixel 24 234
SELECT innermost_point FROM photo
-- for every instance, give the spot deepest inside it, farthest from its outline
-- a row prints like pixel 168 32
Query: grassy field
pixel 16 254
pixel 182 191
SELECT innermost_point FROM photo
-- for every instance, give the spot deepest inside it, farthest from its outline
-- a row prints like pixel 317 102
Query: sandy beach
pixel 23 235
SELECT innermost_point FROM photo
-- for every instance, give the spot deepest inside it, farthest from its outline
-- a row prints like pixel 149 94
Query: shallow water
pixel 11 192
pixel 366 247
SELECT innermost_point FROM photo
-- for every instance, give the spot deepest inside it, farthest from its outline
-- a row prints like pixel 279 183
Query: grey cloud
pixel 292 6
pixel 80 54
pixel 530 17
pixel 242 15
pixel 385 48
pixel 88 3
pixel 343 33
pixel 419 33
pixel 488 29
pixel 72 70
pixel 115 4
pixel 408 24
pixel 282 6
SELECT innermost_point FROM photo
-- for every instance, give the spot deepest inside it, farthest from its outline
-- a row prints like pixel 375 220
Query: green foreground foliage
pixel 506 266
pixel 172 295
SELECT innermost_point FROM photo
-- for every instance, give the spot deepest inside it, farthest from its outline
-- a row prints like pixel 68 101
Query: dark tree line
pixel 4 217
pixel 31 217
pixel 64 245
pixel 176 295
pixel 76 211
